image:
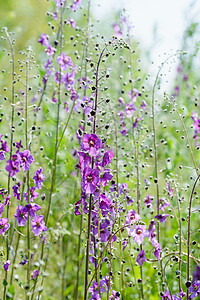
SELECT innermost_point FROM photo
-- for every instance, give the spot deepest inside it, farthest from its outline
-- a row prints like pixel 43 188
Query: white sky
pixel 170 16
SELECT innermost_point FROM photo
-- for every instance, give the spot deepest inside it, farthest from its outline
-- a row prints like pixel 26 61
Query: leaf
pixel 11 290
pixel 5 283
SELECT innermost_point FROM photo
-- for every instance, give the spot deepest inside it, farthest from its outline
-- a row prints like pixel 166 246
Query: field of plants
pixel 99 177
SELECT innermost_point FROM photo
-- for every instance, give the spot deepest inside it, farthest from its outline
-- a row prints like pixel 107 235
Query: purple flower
pixel 133 94
pixel 3 148
pixel 196 274
pixel 90 180
pixel 194 289
pixel 91 143
pixel 143 105
pixel 6 265
pixel 1 208
pixel 163 204
pixel 16 190
pixel 132 217
pixel 115 295
pixel 72 22
pixel 21 215
pixel 166 296
pixel 117 29
pixel 31 208
pixel 49 67
pixel 43 40
pixel 107 158
pixel 69 79
pixel 157 251
pixel 50 50
pixel 105 204
pixel 138 233
pixel 64 61
pixel 161 218
pixel 38 178
pixel 4 226
pixel 13 165
pixel 124 243
pixel 147 201
pixel 94 290
pixel 33 194
pixel 84 161
pixel 121 101
pixel 35 274
pixel 75 4
pixel 107 176
pixel 26 159
pixel 141 258
pixel 38 225
pixel 130 109
pixel 170 190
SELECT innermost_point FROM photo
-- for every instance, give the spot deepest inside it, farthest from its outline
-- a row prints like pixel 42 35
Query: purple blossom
pixel 91 144
pixel 196 274
pixel 132 217
pixel 194 289
pixel 50 50
pixel 94 290
pixel 49 67
pixel 124 243
pixel 157 251
pixel 166 296
pixel 75 4
pixel 6 265
pixel 133 94
pixel 33 194
pixel 4 226
pixel 107 176
pixel 105 204
pixel 64 61
pixel 107 158
pixel 19 146
pixel 138 233
pixel 115 295
pixel 147 201
pixel 13 165
pixel 121 101
pixel 90 180
pixel 43 40
pixel 38 178
pixel 163 204
pixel 143 105
pixel 170 190
pixel 72 22
pixel 21 215
pixel 141 258
pixel 35 274
pixel 84 160
pixel 31 208
pixel 38 225
pixel 1 208
pixel 118 31
pixel 16 190
pixel 161 218
pixel 130 109
pixel 26 159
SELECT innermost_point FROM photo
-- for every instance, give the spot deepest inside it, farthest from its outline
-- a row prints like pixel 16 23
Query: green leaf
pixel 11 290
pixel 5 282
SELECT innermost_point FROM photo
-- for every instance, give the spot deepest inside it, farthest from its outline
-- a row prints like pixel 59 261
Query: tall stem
pixel 11 142
pixel 188 234
pixel 90 197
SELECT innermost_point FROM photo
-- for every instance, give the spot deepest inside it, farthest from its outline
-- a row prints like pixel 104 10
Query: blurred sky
pixel 158 24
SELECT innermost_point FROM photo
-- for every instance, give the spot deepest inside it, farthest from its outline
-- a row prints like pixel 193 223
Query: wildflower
pixel 157 251
pixel 33 194
pixel 38 225
pixel 64 61
pixel 6 265
pixel 147 201
pixel 94 290
pixel 35 274
pixel 104 204
pixel 72 22
pixel 194 289
pixel 4 226
pixel 75 4
pixel 21 215
pixel 196 274
pixel 170 190
pixel 13 165
pixel 141 258
pixel 38 178
pixel 50 50
pixel 161 218
pixel 16 190
pixel 133 94
pixel 26 159
pixel 31 208
pixel 118 31
pixel 49 67
pixel 91 144
pixel 90 180
pixel 130 109
pixel 138 233
pixel 115 295
pixel 107 176
pixel 107 158
pixel 163 204
pixel 43 40
pixel 166 296
pixel 132 217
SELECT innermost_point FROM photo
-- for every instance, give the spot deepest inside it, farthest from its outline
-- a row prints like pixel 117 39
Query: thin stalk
pixel 14 259
pixel 91 197
pixel 180 239
pixel 11 142
pixel 188 234
pixel 27 174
